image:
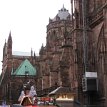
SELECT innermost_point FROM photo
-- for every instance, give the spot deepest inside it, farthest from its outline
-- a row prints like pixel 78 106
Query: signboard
pixel 91 74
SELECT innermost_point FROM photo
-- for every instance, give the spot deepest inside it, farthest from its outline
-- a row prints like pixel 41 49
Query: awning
pixel 60 90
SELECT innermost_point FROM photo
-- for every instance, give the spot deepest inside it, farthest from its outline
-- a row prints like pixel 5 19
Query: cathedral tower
pixel 55 40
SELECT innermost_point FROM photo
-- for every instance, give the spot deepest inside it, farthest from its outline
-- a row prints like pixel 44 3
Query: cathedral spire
pixel 9 45
pixel 10 33
pixel 9 40
pixel 63 7
pixel 41 50
pixel 34 55
pixel 10 37
pixel 31 52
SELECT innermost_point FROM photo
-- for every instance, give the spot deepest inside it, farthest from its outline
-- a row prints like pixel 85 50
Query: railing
pixel 59 24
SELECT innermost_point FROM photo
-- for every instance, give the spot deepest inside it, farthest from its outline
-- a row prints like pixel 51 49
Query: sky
pixel 27 21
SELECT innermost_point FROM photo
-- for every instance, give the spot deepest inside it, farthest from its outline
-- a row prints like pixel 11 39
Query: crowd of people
pixel 28 96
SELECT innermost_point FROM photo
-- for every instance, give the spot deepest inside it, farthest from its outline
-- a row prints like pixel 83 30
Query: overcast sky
pixel 27 21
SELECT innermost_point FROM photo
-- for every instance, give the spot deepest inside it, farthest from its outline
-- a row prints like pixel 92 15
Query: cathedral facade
pixel 89 33
pixel 75 49
pixel 17 66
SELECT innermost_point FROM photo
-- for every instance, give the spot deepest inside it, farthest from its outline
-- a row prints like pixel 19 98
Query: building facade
pixel 90 47
pixel 75 49
pixel 47 65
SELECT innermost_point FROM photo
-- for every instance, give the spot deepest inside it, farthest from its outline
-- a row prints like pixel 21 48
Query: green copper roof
pixel 25 68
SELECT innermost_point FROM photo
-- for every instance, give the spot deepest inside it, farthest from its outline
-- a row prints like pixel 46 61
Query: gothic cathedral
pixel 74 57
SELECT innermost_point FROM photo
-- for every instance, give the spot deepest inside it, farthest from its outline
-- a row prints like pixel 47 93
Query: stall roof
pixel 60 90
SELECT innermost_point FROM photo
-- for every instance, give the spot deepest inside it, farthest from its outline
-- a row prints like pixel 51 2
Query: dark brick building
pixel 48 64
pixel 75 49
pixel 89 44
